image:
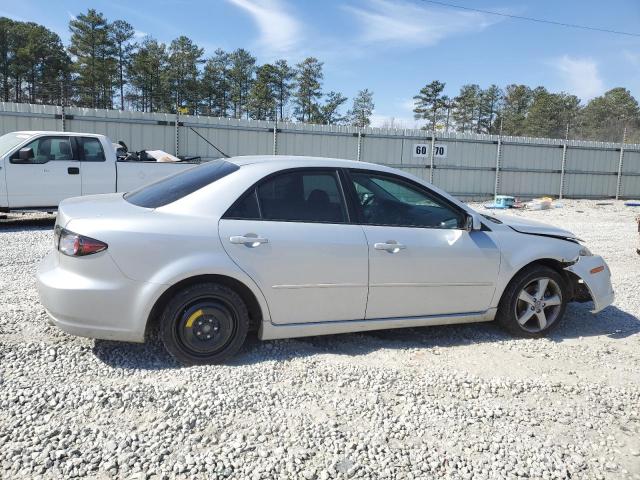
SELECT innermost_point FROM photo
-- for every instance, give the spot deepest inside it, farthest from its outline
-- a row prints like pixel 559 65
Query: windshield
pixel 11 140
pixel 175 187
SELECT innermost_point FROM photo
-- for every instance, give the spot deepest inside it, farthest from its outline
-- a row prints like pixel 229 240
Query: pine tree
pixel 465 106
pixel 243 66
pixel 284 77
pixel 607 116
pixel 184 59
pixel 309 83
pixel 148 75
pixel 362 109
pixel 429 103
pixel 122 33
pixel 94 51
pixel 263 96
pixel 215 83
pixel 516 102
pixel 329 112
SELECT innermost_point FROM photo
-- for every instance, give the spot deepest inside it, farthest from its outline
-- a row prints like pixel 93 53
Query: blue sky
pixel 394 47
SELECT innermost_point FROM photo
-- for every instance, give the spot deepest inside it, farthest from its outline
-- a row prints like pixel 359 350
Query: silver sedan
pixel 298 246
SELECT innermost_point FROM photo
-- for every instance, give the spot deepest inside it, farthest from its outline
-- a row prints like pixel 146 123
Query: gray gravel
pixel 442 402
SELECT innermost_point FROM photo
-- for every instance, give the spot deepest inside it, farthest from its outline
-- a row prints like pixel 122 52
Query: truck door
pixel 48 177
pixel 98 173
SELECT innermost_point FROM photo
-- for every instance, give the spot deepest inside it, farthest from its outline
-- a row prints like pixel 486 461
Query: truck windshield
pixel 169 189
pixel 11 140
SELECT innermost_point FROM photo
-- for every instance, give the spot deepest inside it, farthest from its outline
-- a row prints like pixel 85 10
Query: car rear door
pixel 291 234
pixel 47 178
pixel 422 262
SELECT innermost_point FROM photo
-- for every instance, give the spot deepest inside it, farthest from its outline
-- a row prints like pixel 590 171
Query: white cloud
pixel 580 75
pixel 401 22
pixel 71 15
pixel 279 30
pixel 139 34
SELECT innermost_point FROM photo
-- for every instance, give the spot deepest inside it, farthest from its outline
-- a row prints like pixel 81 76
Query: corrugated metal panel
pixel 310 140
pixel 631 183
pixel 529 166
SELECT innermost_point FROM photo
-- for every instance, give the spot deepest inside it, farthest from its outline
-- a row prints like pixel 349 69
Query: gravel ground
pixel 442 402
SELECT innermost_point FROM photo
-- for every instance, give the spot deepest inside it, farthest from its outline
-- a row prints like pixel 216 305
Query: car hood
pixel 535 228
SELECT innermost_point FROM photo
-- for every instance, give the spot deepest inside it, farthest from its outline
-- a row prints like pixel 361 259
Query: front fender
pixel 595 274
pixel 519 250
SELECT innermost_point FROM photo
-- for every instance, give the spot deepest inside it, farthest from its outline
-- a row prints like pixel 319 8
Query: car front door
pixel 422 261
pixel 291 234
pixel 48 177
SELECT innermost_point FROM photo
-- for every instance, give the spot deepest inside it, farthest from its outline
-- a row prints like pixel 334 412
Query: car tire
pixel 204 324
pixel 523 312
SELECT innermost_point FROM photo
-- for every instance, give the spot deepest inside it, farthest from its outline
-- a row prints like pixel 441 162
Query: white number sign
pixel 424 149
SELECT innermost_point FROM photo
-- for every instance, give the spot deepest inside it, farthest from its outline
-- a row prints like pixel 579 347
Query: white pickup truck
pixel 40 169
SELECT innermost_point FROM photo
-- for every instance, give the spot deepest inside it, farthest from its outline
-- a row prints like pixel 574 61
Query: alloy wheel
pixel 539 304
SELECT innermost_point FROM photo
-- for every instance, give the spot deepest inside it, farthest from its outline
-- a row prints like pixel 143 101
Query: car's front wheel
pixel 204 323
pixel 534 302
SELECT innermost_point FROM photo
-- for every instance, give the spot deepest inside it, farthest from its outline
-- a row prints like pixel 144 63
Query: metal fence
pixel 469 166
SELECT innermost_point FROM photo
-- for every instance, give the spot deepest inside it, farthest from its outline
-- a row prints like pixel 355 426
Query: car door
pixel 48 177
pixel 291 234
pixel 422 261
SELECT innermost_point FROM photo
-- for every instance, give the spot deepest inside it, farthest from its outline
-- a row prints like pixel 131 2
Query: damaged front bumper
pixel 595 274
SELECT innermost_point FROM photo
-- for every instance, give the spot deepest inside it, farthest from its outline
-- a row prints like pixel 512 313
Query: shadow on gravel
pixel 18 224
pixel 578 322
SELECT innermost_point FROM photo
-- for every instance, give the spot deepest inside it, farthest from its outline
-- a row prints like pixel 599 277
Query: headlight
pixel 585 252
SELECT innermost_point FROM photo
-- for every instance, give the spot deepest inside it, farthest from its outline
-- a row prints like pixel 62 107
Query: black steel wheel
pixel 204 323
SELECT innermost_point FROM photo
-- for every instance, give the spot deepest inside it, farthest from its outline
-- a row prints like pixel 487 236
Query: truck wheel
pixel 203 324
pixel 533 303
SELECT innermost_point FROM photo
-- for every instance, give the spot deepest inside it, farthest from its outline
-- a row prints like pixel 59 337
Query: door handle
pixel 249 240
pixel 73 170
pixel 390 246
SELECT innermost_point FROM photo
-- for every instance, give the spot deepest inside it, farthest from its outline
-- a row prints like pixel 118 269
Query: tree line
pixel 105 65
pixel 519 110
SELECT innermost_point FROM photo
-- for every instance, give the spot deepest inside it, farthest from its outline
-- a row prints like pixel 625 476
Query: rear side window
pixel 175 187
pixel 310 196
pixel 92 150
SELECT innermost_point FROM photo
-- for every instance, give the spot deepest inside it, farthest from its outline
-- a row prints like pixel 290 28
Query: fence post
pixel 433 146
pixel 496 187
pixel 359 144
pixel 562 169
pixel 619 181
pixel 275 138
pixel 62 113
pixel 62 118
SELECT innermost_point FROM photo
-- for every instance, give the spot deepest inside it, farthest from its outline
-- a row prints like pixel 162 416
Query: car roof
pixel 293 161
pixel 57 133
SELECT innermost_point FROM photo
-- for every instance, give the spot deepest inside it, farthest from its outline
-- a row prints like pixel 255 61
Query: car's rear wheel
pixel 204 323
pixel 534 302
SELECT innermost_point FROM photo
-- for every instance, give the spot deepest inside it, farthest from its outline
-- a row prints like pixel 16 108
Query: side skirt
pixel 269 331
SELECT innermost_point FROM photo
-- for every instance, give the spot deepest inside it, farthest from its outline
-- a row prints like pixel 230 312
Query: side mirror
pixel 26 154
pixel 472 222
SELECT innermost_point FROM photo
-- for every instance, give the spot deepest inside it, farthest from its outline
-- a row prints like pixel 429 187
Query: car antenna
pixel 223 154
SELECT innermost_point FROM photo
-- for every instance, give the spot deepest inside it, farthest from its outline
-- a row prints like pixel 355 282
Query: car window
pixel 245 208
pixel 302 196
pixel 46 149
pixel 386 200
pixel 169 189
pixel 92 150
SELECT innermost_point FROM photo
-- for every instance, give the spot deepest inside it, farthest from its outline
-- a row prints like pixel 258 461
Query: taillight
pixel 75 245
